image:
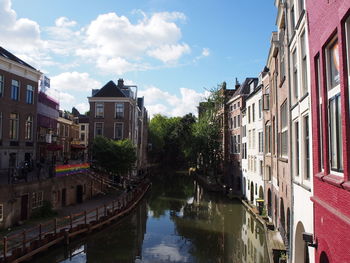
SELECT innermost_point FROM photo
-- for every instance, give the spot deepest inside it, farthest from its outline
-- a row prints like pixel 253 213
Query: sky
pixel 175 51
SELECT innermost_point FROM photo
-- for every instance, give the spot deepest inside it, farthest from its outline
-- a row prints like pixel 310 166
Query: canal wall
pixel 18 247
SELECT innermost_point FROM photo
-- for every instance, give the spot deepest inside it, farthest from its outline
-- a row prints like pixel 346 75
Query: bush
pixel 44 212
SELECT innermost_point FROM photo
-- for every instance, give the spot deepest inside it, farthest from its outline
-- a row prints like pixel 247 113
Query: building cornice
pixel 19 69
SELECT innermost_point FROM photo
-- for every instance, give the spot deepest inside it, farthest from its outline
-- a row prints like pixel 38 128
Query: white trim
pixel 103 112
pixel 95 128
pixel 114 126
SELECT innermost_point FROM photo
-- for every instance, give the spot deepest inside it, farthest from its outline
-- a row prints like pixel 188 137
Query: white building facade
pixel 301 134
pixel 255 149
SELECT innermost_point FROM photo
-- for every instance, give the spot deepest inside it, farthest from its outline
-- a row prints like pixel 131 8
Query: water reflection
pixel 177 222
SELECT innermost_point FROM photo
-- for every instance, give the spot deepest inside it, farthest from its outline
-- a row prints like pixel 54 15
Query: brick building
pixel 117 113
pixel 18 112
pixel 235 104
pixel 329 46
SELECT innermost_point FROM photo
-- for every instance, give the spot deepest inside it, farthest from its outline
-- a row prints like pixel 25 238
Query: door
pixel 63 199
pixel 79 194
pixel 24 207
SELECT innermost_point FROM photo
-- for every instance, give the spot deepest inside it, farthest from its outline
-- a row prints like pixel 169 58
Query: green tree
pixel 118 157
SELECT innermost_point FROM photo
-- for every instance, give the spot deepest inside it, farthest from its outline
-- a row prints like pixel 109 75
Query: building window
pixel 260 109
pixel 301 6
pixel 296 148
pixel 82 127
pixel 320 95
pixel 306 147
pixel 268 137
pixel 261 168
pixel 347 33
pixel 30 94
pixel 98 129
pixel 234 122
pixel 99 110
pixel 14 125
pixel 119 110
pixel 0 125
pixel 295 75
pixel 333 65
pixel 253 111
pixel 249 114
pixel 238 143
pixel 335 127
pixel 238 104
pixel 261 144
pixel 238 121
pixel 1 85
pixel 82 137
pixel 292 17
pixel 334 107
pixel 284 130
pixel 15 90
pixel 118 131
pixel 29 128
pixel 304 63
pixel 37 199
pixel 1 212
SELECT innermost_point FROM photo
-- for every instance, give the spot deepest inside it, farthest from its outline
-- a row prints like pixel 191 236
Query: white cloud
pixel 74 81
pixel 205 52
pixel 158 101
pixel 165 252
pixel 119 46
pixel 20 35
pixel 83 107
pixel 64 22
pixel 169 53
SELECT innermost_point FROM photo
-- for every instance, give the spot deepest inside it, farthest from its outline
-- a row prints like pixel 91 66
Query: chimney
pixel 120 83
pixel 237 85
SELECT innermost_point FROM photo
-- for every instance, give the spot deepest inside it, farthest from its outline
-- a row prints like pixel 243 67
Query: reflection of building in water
pixel 253 240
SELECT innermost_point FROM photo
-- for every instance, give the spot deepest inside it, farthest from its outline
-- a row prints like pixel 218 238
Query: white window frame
pixel 17 126
pixel 295 75
pixel 284 129
pixel 18 92
pixel 122 125
pixel 333 93
pixel 306 147
pixel 30 92
pixel 37 199
pixel 1 212
pixel 95 124
pixel 103 109
pixel 115 110
pixel 347 44
pixel 304 63
pixel 296 148
pixel 28 133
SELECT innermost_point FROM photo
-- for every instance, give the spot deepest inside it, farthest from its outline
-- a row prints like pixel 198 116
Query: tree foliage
pixel 118 157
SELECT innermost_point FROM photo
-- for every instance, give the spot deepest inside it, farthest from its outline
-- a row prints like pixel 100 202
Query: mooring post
pixel 24 241
pixel 71 221
pixel 55 225
pixel 40 228
pixel 5 247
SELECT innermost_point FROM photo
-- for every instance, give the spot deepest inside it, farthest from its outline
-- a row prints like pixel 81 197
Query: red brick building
pixel 18 112
pixel 329 44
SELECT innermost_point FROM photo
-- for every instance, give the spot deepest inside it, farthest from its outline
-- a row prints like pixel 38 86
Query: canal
pixel 178 221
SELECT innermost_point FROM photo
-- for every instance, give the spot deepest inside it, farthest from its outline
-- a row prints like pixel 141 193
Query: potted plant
pixel 283 258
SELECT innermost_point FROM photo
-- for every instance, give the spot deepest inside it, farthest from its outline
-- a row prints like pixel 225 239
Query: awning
pixel 54 147
pixel 77 146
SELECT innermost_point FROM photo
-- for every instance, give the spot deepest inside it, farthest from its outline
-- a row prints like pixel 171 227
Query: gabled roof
pixel 109 90
pixel 244 88
pixel 6 54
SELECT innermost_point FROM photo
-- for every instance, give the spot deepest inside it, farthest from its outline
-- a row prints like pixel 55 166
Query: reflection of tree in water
pixel 213 227
pixel 169 192
pixel 124 240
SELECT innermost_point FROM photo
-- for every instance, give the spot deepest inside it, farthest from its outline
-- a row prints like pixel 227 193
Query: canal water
pixel 178 221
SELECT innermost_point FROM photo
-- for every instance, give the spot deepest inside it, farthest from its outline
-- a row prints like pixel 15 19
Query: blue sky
pixel 173 50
